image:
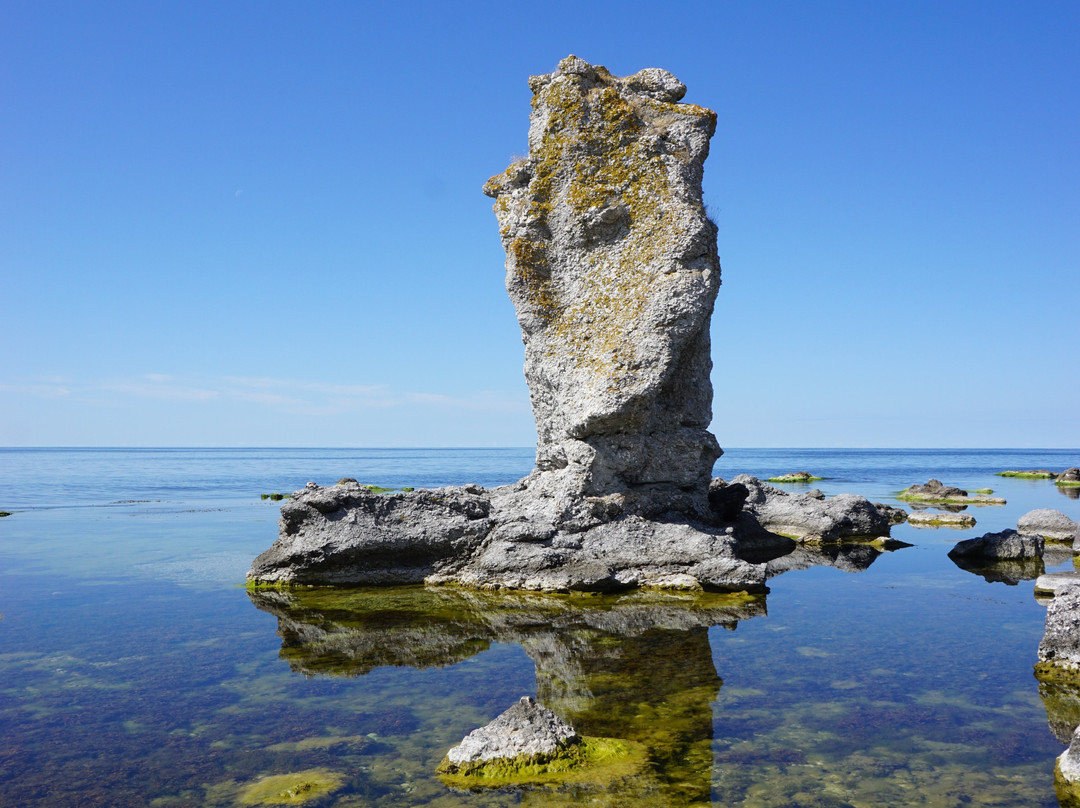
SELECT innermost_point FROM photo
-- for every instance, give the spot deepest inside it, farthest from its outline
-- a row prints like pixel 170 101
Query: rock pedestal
pixel 612 267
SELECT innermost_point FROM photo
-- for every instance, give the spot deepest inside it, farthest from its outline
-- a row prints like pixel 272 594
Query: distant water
pixel 134 670
pixel 35 478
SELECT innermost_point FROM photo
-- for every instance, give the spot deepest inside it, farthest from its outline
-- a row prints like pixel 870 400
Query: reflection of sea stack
pixel 612 268
pixel 636 666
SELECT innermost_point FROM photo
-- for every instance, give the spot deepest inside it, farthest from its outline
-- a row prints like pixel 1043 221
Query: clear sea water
pixel 135 669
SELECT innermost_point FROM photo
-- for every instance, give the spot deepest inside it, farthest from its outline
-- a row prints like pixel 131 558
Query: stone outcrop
pixel 1048 523
pixel 1029 474
pixel 1070 477
pixel 1008 545
pixel 1059 651
pixel 527 732
pixel 807 518
pixel 795 477
pixel 934 491
pixel 612 267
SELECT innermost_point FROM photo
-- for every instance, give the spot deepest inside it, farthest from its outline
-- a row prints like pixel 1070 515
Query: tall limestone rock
pixel 611 264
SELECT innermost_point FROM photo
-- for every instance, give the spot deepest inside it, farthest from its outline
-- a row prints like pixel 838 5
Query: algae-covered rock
pixel 1030 474
pixel 935 519
pixel 4 513
pixel 795 477
pixel 1059 650
pixel 295 788
pixel 612 267
pixel 1069 477
pixel 934 491
pixel 527 735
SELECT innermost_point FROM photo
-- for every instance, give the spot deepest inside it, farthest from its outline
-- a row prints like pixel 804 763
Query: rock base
pixel 513 537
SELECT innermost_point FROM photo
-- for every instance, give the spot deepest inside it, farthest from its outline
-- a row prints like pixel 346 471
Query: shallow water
pixel 134 670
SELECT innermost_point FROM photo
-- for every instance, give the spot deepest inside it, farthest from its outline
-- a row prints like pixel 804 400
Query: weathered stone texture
pixel 526 731
pixel 810 519
pixel 612 267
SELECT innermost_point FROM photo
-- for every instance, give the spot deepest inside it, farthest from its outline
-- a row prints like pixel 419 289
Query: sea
pixel 137 670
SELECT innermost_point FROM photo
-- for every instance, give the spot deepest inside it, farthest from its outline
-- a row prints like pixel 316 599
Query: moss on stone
pixel 797 477
pixel 930 499
pixel 1047 671
pixel 592 761
pixel 296 788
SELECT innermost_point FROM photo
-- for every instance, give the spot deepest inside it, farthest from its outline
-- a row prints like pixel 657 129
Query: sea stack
pixel 612 268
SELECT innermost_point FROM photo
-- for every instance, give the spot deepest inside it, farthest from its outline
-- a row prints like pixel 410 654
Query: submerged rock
pixel 809 519
pixel 612 267
pixel 1008 545
pixel 1050 524
pixel 935 519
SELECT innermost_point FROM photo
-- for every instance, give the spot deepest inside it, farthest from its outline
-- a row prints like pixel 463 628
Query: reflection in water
pixel 1062 702
pixel 636 666
pixel 1071 491
pixel 1009 573
pixel 845 557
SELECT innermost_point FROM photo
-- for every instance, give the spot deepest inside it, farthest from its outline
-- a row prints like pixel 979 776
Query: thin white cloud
pixel 40 390
pixel 292 396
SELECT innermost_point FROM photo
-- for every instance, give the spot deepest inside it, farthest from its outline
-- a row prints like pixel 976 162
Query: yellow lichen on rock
pixel 612 267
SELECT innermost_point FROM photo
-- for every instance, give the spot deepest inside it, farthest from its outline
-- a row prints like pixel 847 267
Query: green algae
pixel 295 788
pixel 1067 483
pixel 1027 475
pixel 930 499
pixel 797 477
pixel 275 497
pixel 592 761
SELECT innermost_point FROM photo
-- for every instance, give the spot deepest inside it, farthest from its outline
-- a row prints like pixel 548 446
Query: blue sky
pixel 236 224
